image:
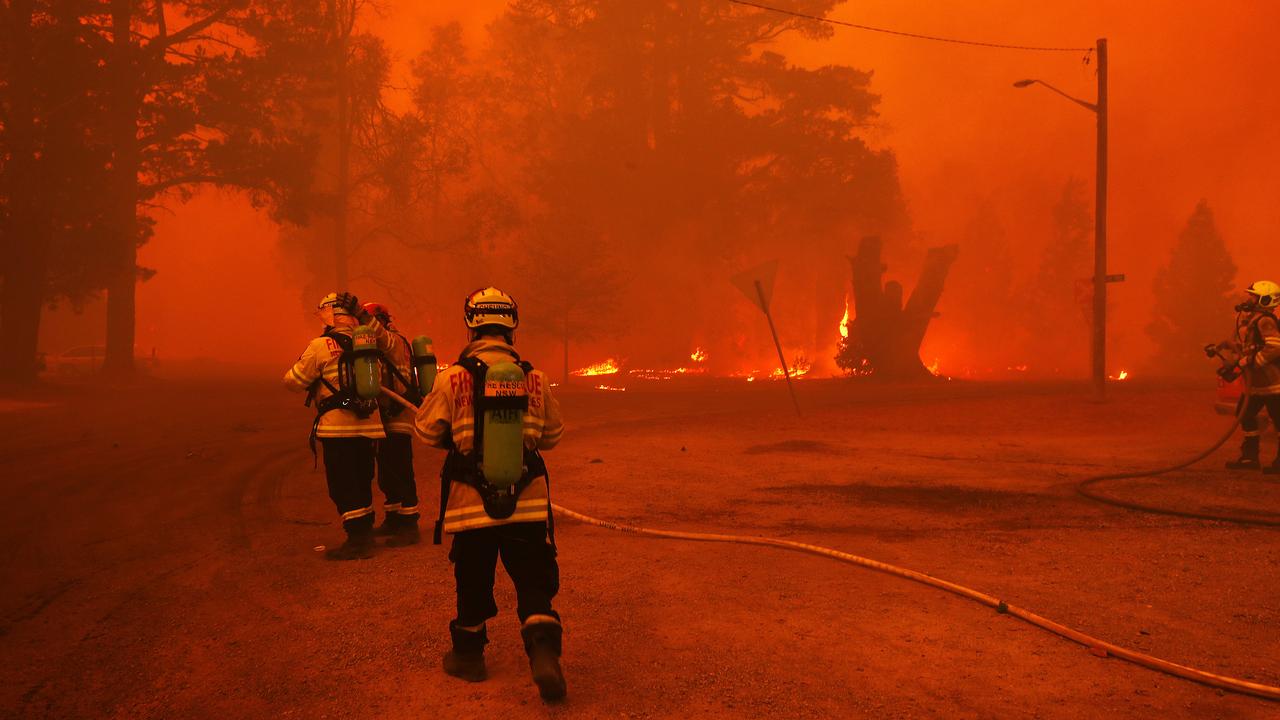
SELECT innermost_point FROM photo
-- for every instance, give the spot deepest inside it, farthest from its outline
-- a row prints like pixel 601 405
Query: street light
pixel 1100 277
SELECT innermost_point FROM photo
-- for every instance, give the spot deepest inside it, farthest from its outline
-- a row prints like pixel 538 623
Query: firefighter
pixel 395 452
pixel 346 425
pixel 1258 340
pixel 514 524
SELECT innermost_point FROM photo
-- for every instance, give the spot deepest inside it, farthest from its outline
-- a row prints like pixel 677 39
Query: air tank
pixel 502 457
pixel 366 363
pixel 424 363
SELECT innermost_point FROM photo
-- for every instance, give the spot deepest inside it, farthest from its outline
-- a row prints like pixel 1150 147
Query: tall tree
pixel 576 283
pixel 52 169
pixel 1055 306
pixel 981 290
pixel 1193 295
pixel 26 254
pixel 366 168
pixel 679 132
pixel 192 102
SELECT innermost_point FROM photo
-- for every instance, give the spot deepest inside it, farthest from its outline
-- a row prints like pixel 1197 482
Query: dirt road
pixel 159 561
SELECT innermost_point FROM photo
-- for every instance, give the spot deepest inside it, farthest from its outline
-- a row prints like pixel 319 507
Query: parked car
pixel 76 361
pixel 84 359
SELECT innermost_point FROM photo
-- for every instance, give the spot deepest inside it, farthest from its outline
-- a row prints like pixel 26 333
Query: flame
pixel 800 366
pixel 864 369
pixel 607 367
pixel 665 374
pixel 610 388
pixel 698 356
pixel 844 322
pixel 1123 375
pixel 649 374
pixel 933 369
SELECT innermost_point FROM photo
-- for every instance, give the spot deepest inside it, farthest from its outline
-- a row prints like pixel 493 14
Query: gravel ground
pixel 161 560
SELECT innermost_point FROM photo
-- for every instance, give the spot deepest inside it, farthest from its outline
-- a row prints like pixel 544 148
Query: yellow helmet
pixel 1266 292
pixel 490 306
pixel 330 302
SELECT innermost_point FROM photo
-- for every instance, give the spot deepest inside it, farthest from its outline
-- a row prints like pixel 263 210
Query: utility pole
pixel 1100 278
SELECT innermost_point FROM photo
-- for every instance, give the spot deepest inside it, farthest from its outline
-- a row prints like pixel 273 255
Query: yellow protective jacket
pixel 446 420
pixel 1259 339
pixel 320 359
pixel 398 353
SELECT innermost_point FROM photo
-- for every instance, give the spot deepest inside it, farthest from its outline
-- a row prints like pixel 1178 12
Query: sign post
pixel 757 285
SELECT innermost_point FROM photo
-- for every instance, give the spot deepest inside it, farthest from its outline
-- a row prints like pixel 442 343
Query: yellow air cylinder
pixel 424 363
pixel 502 457
pixel 366 365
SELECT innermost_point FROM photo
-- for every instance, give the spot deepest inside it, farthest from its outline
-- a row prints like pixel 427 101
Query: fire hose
pixel 1086 487
pixel 1097 646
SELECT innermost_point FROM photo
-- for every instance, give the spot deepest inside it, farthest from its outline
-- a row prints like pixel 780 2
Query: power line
pixel 917 36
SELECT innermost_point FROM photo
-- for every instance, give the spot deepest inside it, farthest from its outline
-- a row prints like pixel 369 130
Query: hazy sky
pixel 1193 115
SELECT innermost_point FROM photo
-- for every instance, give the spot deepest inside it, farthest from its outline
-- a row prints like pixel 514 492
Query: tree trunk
pixel 122 281
pixel 26 247
pixel 885 330
pixel 341 276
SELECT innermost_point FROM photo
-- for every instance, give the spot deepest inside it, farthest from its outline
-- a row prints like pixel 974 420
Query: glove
pixel 348 302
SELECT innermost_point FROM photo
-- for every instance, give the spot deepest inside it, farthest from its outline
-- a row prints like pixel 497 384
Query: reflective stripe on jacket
pixel 320 359
pixel 446 420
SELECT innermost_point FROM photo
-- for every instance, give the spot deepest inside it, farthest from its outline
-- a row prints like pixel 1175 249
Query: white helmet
pixel 490 306
pixel 1266 292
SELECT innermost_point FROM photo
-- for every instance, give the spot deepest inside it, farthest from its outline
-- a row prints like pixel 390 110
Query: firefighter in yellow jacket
pixel 346 425
pixel 395 451
pixel 514 524
pixel 1258 340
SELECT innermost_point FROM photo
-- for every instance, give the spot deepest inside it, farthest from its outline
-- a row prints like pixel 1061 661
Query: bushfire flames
pixel 800 366
pixel 607 367
pixel 612 366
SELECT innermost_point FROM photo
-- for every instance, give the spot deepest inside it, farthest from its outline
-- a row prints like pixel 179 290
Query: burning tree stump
pixel 885 335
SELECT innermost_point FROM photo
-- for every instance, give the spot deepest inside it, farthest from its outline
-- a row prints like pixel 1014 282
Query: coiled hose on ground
pixel 1086 488
pixel 1095 645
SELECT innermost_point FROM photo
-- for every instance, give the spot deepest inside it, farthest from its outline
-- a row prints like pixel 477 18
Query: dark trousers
pixel 395 473
pixel 529 558
pixel 348 468
pixel 1249 420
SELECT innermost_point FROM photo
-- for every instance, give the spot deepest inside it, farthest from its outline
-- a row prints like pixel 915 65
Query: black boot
pixel 466 659
pixel 390 524
pixel 405 533
pixel 359 546
pixel 1248 455
pixel 542 643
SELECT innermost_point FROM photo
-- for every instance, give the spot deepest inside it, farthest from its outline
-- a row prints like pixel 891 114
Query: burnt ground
pixel 159 560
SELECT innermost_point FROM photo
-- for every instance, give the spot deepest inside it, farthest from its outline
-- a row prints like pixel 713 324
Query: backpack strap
pixel 335 397
pixel 477 369
pixel 466 468
pixel 1254 334
pixel 456 464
